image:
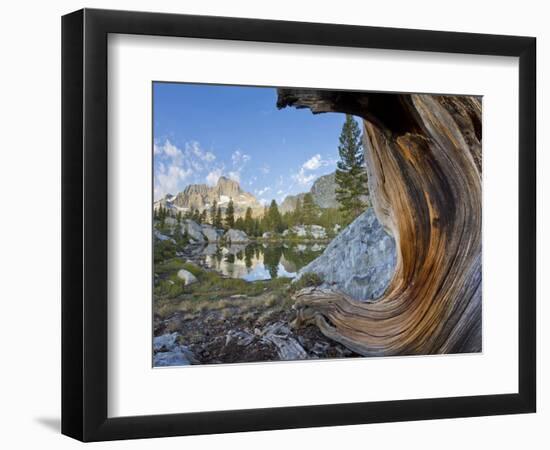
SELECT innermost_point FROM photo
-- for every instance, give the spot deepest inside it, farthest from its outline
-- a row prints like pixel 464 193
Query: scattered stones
pixel 288 348
pixel 306 231
pixel 240 337
pixel 166 352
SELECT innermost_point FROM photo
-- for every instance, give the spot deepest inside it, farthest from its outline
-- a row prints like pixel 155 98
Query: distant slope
pixel 323 192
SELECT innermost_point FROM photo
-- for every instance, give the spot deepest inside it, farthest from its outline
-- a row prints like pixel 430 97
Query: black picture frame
pixel 84 224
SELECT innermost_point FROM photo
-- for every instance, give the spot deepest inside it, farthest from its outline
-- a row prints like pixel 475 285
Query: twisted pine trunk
pixel 423 156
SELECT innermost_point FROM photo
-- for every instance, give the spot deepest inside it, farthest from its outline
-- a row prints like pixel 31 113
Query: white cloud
pixel 317 161
pixel 313 163
pixel 239 159
pixel 170 169
pixel 303 179
pixel 168 179
pixel 265 169
pixel 195 148
pixel 171 150
pixel 213 176
pixel 235 175
pixel 262 191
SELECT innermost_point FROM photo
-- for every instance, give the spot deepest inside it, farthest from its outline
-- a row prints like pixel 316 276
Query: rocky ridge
pixel 202 196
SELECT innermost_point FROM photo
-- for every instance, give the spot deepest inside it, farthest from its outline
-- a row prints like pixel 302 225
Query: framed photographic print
pixel 336 221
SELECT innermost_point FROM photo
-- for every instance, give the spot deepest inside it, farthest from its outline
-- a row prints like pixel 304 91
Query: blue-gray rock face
pixel 360 261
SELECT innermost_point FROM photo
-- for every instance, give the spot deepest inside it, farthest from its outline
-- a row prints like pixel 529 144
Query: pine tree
pixel 218 223
pixel 248 222
pixel 230 215
pixel 351 176
pixel 213 211
pixel 239 224
pixel 274 219
pixel 162 216
pixel 257 228
pixel 196 216
pixel 298 213
pixel 310 211
pixel 204 216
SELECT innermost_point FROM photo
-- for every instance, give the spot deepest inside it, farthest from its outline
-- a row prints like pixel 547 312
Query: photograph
pixel 272 235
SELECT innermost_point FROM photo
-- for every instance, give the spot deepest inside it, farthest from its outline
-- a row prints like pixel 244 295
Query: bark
pixel 423 156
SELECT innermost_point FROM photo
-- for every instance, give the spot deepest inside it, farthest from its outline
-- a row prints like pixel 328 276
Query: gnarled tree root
pixel 423 156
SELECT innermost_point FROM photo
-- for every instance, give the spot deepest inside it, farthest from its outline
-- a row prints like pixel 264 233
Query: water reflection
pixel 255 262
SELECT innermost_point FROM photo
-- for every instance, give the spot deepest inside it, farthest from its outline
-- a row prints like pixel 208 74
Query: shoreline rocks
pixel 233 235
pixel 306 231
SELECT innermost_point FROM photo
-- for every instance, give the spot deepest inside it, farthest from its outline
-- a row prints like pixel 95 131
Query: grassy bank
pixel 212 290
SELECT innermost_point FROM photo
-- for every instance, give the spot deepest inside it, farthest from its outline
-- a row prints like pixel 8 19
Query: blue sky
pixel 201 132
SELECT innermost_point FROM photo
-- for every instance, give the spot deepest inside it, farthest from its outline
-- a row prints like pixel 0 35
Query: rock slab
pixel 236 235
pixel 360 261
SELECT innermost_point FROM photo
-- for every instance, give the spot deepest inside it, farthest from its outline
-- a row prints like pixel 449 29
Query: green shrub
pixel 164 250
pixel 170 288
pixel 308 279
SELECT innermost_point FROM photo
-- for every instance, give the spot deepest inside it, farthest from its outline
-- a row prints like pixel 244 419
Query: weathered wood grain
pixel 423 155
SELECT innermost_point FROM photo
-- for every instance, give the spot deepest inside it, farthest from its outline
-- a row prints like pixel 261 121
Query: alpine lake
pixel 256 261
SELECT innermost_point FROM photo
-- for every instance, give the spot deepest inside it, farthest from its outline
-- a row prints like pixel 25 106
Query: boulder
pixel 162 237
pixel 194 231
pixel 269 235
pixel 187 276
pixel 210 233
pixel 170 221
pixel 236 236
pixel 299 230
pixel 359 262
pixel 166 352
